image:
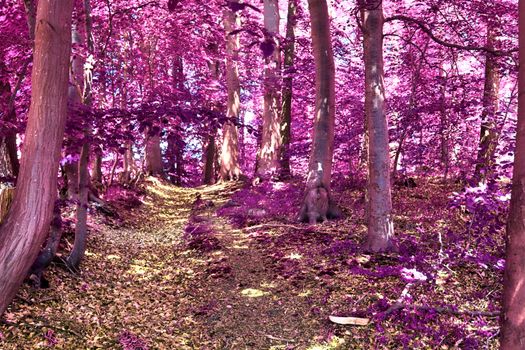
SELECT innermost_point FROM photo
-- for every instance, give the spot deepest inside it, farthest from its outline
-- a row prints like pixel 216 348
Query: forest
pixel 262 174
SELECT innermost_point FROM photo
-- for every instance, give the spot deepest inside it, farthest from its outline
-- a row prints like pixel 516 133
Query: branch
pixel 441 310
pixel 442 42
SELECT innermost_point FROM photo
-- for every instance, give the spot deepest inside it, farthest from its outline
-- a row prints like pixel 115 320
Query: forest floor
pixel 201 269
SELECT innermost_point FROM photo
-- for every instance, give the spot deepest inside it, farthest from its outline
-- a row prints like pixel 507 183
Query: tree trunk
pixel 512 320
pixel 97 169
pixel 6 198
pixel 79 246
pixel 269 162
pixel 209 161
pixel 380 223
pixel 443 130
pixel 9 160
pixel 230 169
pixel 27 223
pixel 488 132
pixel 46 255
pixel 128 164
pixel 287 90
pixel 154 165
pixel 316 204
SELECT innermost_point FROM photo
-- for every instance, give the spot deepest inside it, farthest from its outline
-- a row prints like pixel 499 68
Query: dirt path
pixel 145 284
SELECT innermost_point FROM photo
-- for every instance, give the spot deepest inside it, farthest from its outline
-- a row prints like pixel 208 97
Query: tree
pixel 27 223
pixel 513 323
pixel 153 153
pixel 230 169
pixel 287 89
pixel 380 223
pixel 269 162
pixel 488 133
pixel 316 204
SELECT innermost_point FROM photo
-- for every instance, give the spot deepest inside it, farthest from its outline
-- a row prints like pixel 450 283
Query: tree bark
pixel 154 165
pixel 513 320
pixel 287 90
pixel 269 162
pixel 316 203
pixel 209 161
pixel 380 223
pixel 488 132
pixel 230 169
pixel 79 246
pixel 46 255
pixel 27 223
pixel 97 168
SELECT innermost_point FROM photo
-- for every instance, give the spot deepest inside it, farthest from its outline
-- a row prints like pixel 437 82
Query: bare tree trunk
pixel 27 223
pixel 230 169
pixel 488 132
pixel 177 138
pixel 30 8
pixel 154 165
pixel 209 161
pixel 128 164
pixel 317 203
pixel 443 130
pixel 398 152
pixel 79 246
pixel 512 321
pixel 287 90
pixel 113 169
pixel 380 223
pixel 46 255
pixel 97 168
pixel 269 162
pixel 6 166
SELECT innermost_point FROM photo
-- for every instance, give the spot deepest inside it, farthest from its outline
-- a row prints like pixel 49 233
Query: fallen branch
pixel 276 226
pixel 441 310
pixel 279 339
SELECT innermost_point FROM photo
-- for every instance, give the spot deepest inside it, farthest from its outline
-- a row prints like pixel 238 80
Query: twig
pixel 442 42
pixel 279 339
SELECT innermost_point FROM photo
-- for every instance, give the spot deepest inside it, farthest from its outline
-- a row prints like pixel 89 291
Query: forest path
pixel 149 282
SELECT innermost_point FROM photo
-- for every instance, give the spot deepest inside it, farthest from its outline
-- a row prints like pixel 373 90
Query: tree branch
pixel 442 42
pixel 441 310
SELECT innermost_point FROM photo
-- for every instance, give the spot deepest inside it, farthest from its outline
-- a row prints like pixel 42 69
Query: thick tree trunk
pixel 230 169
pixel 269 162
pixel 488 132
pixel 154 165
pixel 27 223
pixel 316 204
pixel 287 90
pixel 380 223
pixel 512 320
